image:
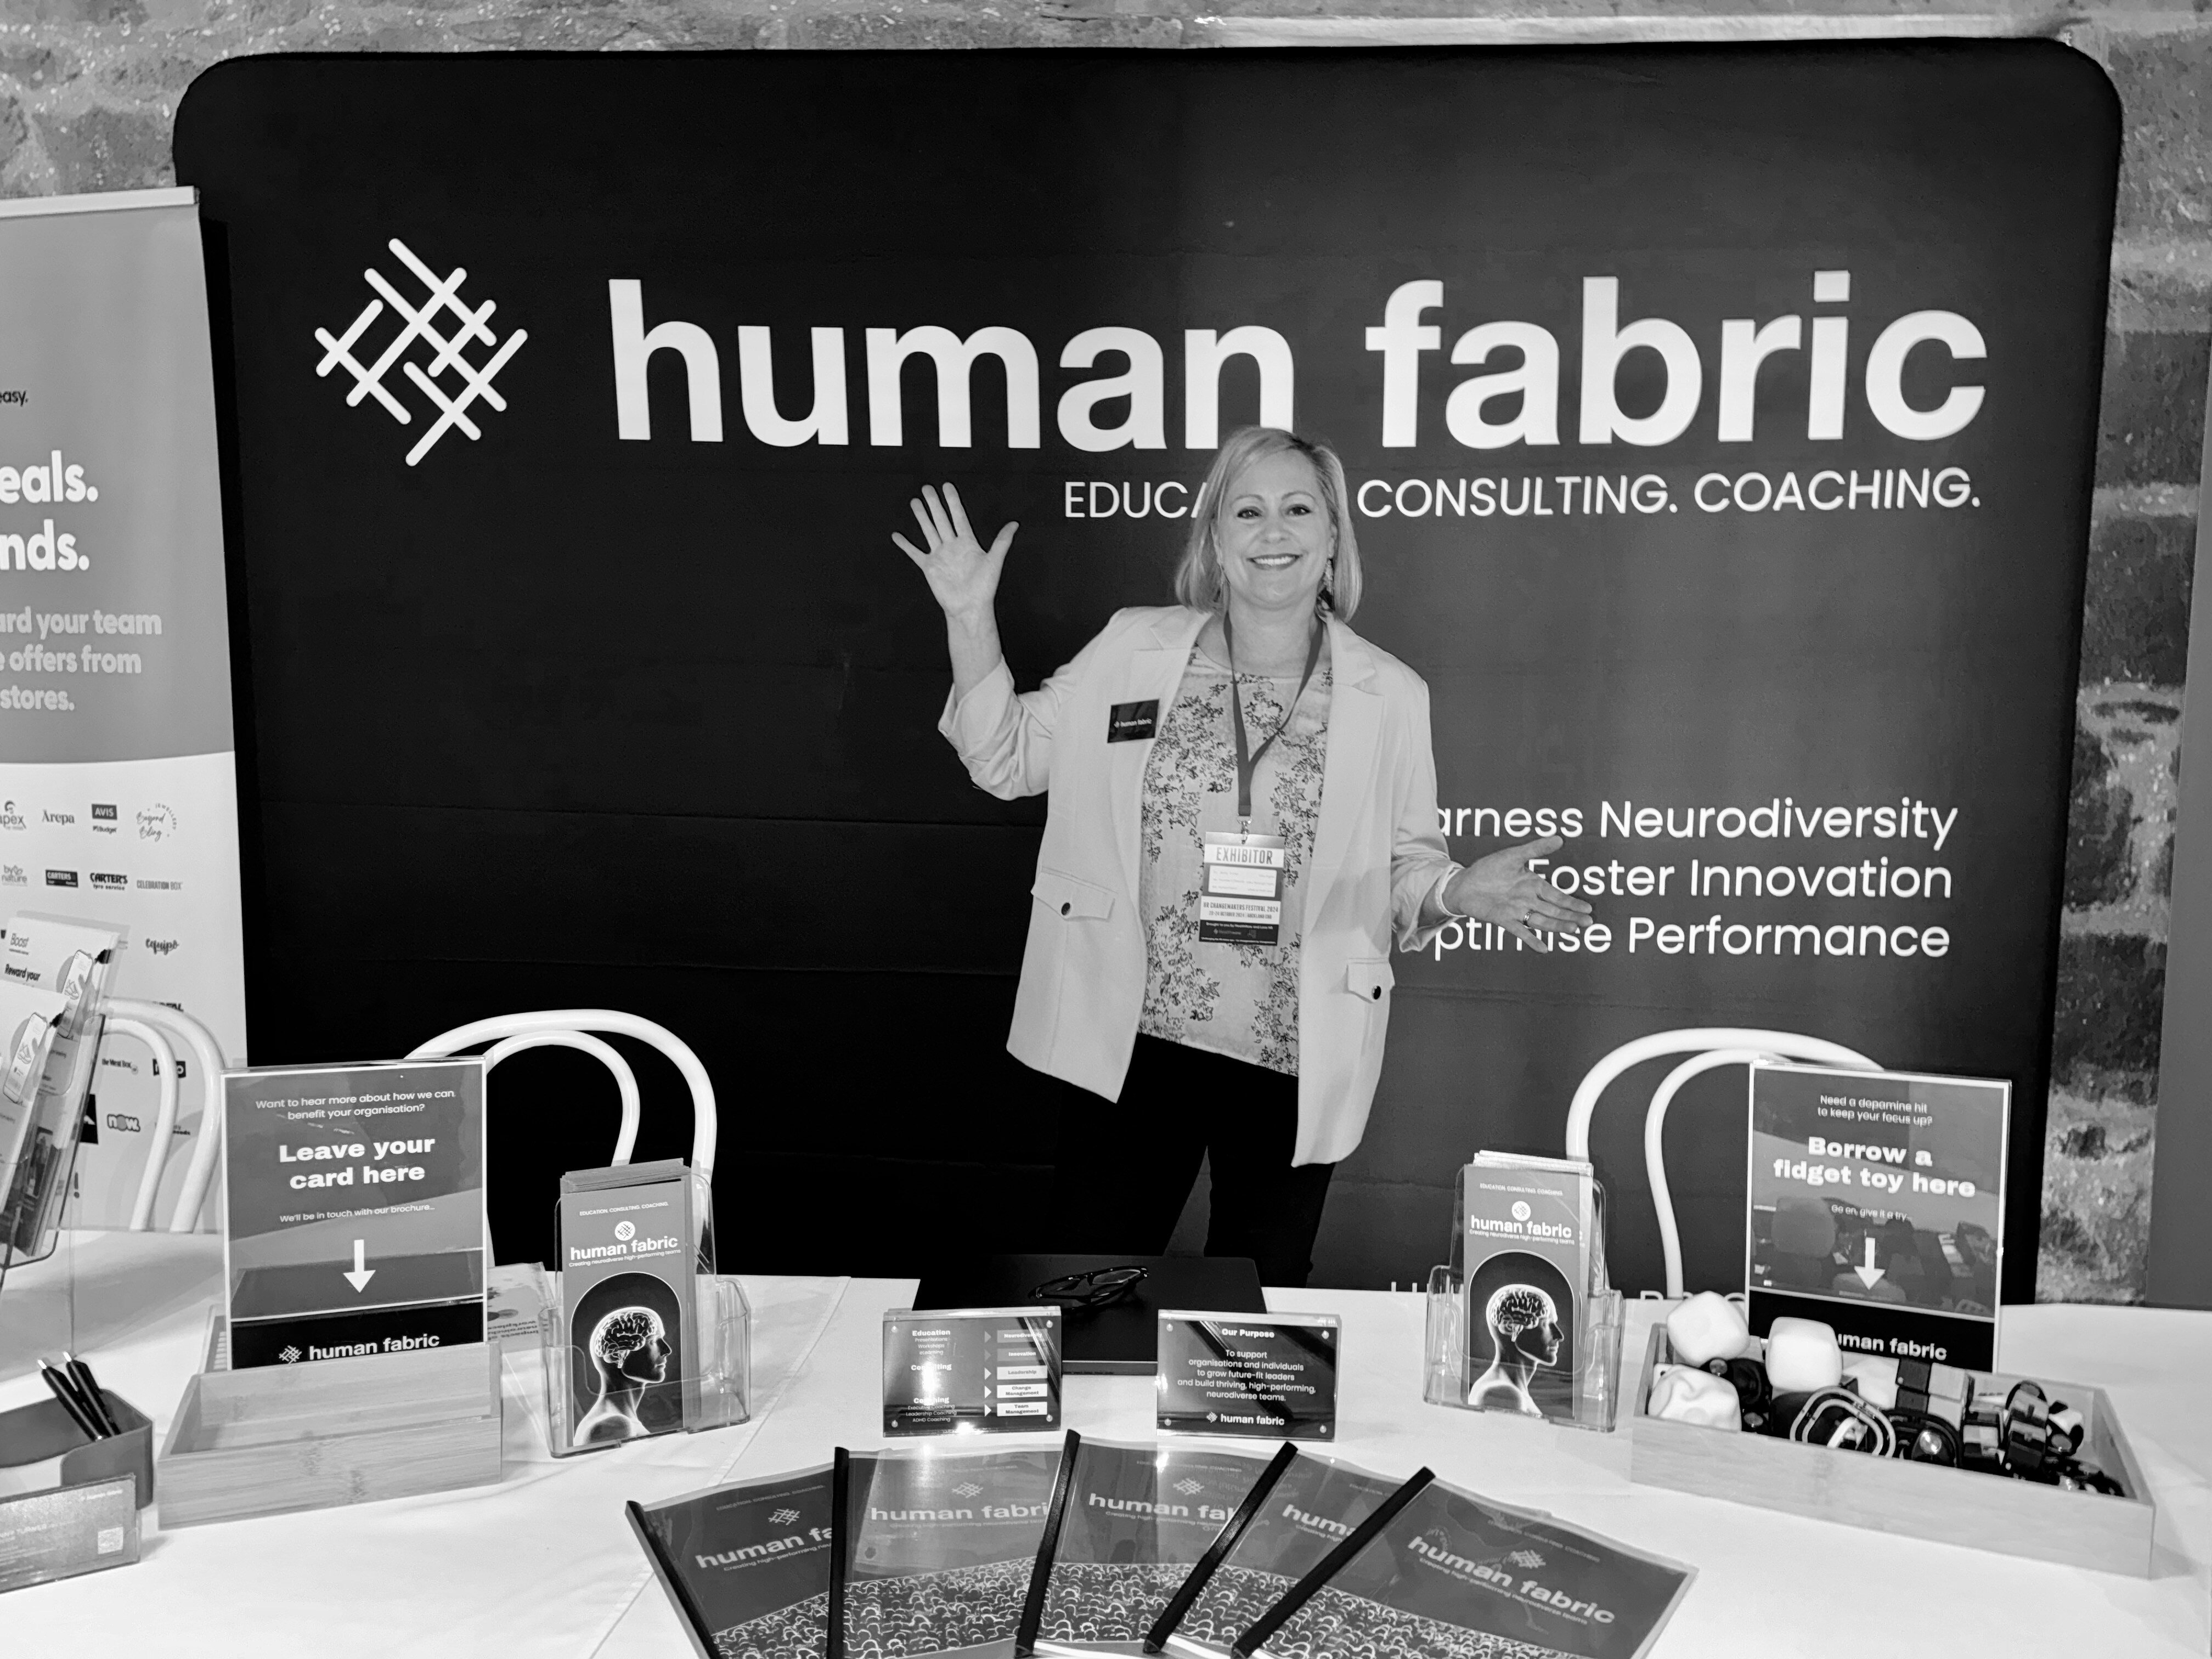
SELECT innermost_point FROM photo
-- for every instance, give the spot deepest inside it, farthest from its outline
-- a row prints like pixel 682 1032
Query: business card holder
pixel 597 1401
pixel 321 1433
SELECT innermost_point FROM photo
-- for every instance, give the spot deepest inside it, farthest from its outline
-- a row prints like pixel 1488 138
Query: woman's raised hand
pixel 962 573
pixel 1502 889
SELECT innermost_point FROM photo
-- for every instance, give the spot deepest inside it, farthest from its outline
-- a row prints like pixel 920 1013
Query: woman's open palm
pixel 962 572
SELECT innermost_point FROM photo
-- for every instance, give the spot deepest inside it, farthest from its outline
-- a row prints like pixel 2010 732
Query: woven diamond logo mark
pixel 968 1489
pixel 783 1517
pixel 1529 1560
pixel 288 1354
pixel 1188 1488
pixel 443 327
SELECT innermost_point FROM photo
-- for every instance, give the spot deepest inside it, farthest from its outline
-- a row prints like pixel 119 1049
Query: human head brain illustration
pixel 623 1332
pixel 1515 1307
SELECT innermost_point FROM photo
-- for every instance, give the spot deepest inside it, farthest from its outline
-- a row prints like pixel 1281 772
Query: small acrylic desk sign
pixel 1877 1207
pixel 1272 1376
pixel 971 1370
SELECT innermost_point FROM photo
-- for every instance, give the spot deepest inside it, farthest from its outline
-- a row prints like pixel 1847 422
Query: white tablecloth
pixel 542 1564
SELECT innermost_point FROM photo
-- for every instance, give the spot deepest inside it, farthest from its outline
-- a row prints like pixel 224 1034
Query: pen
pixel 67 1395
pixel 87 1387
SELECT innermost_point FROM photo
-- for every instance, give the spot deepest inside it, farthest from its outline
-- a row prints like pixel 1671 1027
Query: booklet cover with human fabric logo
pixel 1311 1510
pixel 1455 1576
pixel 943 1547
pixel 1138 1520
pixel 747 1564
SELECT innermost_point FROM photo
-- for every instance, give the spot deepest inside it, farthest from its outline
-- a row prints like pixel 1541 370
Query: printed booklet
pixel 747 1565
pixel 1452 1575
pixel 1138 1520
pixel 1526 1227
pixel 1312 1509
pixel 943 1547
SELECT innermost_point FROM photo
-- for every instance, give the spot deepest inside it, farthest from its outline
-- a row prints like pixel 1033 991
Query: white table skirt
pixel 542 1564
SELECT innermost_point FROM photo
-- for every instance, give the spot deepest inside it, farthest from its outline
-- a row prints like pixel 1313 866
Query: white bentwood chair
pixel 1709 1047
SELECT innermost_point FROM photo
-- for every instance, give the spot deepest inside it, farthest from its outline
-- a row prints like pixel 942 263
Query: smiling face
pixel 1273 532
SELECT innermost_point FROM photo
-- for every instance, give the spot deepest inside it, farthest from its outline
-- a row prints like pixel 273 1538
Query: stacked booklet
pixel 1097 1547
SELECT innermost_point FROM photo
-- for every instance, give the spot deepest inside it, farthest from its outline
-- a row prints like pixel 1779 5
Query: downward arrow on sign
pixel 361 1275
pixel 1869 1275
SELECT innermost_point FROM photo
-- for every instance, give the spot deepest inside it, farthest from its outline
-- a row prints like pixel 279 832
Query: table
pixel 542 1564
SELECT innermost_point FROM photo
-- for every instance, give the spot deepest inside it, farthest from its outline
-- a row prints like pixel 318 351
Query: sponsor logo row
pixel 156 823
pixel 100 881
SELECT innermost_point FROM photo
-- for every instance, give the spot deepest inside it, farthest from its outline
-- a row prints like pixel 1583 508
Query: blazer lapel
pixel 1355 734
pixel 1154 672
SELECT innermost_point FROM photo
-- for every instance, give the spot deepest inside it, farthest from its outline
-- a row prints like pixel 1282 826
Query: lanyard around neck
pixel 1247 759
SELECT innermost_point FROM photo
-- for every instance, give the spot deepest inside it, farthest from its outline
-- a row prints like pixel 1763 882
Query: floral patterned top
pixel 1241 1000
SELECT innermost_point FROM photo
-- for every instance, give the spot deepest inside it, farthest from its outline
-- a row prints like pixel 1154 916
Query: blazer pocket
pixel 1064 896
pixel 1369 977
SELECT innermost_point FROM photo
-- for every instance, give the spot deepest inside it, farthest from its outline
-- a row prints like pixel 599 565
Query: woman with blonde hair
pixel 1242 818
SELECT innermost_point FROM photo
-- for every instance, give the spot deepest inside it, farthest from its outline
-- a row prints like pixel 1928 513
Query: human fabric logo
pixel 289 1355
pixel 1527 1560
pixel 425 324
pixel 625 1231
pixel 967 1489
pixel 1189 1487
pixel 783 1517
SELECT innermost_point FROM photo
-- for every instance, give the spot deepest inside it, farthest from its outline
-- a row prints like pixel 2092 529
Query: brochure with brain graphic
pixel 629 1252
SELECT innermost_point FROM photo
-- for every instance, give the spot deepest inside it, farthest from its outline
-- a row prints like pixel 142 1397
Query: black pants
pixel 1124 1168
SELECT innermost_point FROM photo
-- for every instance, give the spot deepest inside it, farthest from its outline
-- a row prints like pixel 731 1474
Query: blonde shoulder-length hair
pixel 1199 582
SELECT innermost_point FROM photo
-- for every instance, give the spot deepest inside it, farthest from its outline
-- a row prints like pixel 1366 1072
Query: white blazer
pixel 1377 853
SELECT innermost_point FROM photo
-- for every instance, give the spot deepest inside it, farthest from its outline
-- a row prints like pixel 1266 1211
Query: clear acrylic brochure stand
pixel 1446 1379
pixel 597 1401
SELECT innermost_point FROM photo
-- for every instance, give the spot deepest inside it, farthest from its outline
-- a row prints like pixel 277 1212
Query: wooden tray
pixel 1915 1500
pixel 278 1438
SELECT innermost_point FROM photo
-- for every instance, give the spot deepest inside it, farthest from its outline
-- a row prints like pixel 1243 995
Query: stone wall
pixel 88 90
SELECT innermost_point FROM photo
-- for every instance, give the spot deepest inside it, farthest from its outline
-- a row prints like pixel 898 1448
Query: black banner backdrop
pixel 1721 428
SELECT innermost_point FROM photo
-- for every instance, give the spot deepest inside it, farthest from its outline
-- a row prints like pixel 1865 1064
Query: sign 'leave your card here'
pixel 354 1215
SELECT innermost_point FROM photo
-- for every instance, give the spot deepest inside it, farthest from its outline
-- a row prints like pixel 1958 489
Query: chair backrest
pixel 572 1028
pixel 199 1174
pixel 165 1111
pixel 1709 1047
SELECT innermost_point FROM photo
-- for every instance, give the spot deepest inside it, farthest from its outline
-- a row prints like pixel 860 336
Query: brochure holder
pixel 1596 1394
pixel 1597 1354
pixel 717 1394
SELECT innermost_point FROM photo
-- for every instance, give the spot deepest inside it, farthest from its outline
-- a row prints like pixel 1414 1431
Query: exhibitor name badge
pixel 354 1209
pixel 1273 1375
pixel 1877 1206
pixel 995 1369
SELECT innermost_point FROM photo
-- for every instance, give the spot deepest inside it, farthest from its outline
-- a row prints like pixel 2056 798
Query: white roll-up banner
pixel 119 796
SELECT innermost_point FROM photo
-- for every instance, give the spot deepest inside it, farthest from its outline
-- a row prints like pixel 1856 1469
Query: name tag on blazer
pixel 1128 722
